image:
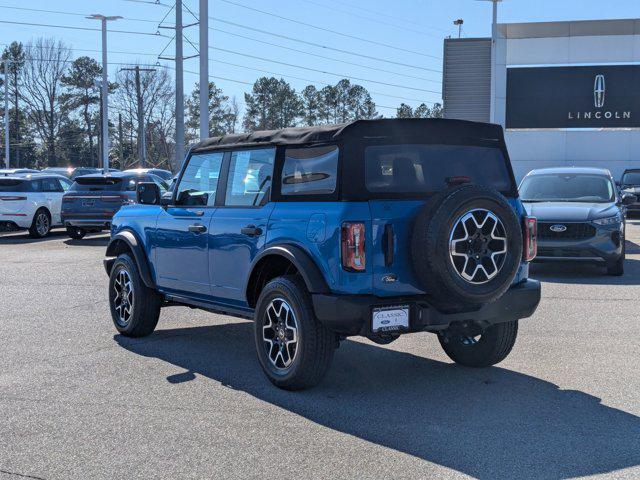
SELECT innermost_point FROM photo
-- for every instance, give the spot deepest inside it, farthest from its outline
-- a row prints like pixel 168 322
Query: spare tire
pixel 466 247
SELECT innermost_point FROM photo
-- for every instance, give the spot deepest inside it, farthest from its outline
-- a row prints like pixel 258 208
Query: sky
pixel 394 49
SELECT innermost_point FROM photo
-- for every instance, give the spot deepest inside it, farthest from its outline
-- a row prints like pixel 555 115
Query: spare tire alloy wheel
pixel 123 301
pixel 280 333
pixel 478 246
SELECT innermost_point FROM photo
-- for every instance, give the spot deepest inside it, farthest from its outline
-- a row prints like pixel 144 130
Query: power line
pixel 87 29
pixel 59 12
pixel 335 32
pixel 325 47
pixel 381 22
pixel 323 71
pixel 346 62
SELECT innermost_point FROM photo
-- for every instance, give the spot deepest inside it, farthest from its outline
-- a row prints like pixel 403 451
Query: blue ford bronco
pixel 374 228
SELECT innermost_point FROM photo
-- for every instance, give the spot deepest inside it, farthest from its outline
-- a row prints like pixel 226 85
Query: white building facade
pixel 567 93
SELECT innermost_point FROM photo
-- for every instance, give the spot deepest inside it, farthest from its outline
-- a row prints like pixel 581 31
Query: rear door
pixel 94 198
pixel 239 226
pixel 181 242
pixel 400 178
pixel 53 191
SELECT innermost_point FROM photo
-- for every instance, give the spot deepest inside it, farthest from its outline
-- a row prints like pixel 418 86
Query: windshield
pixel 564 187
pixel 422 168
pixel 631 178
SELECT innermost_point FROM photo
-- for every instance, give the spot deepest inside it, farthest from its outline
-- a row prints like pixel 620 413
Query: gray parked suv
pixel 580 215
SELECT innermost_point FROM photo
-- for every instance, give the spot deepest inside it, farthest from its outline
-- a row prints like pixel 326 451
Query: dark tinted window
pixel 566 188
pixel 249 180
pixel 310 171
pixel 425 168
pixel 51 185
pixel 96 184
pixel 199 183
pixel 14 185
pixel 631 178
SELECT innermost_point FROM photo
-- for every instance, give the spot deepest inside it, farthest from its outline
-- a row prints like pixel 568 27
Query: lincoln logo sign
pixel 599 91
pixel 602 97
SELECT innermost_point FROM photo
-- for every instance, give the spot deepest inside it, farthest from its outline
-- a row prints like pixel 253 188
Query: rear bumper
pixel 351 314
pixel 87 222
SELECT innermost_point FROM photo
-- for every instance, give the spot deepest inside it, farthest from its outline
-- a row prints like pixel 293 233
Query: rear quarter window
pixel 422 168
pixel 310 171
pixel 13 185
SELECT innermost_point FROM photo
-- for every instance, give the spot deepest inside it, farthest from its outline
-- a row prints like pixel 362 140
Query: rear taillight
pixel 13 199
pixel 530 238
pixel 122 199
pixel 353 240
pixel 68 199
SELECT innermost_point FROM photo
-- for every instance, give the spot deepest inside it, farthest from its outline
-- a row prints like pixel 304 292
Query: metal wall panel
pixel 466 88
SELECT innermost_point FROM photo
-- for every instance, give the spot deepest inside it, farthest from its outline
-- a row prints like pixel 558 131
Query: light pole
pixel 204 68
pixel 179 88
pixel 105 88
pixel 459 23
pixel 494 38
pixel 6 113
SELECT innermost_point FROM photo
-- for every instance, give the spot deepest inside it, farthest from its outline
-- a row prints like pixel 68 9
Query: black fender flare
pixel 132 244
pixel 311 274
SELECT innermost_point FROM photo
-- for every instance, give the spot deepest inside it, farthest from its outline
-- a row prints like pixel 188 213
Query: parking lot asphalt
pixel 79 401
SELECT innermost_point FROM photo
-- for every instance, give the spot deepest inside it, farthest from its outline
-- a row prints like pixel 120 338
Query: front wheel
pixel 135 308
pixel 491 346
pixel 76 233
pixel 294 349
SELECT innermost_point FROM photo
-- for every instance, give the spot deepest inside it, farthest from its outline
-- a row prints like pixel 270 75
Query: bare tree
pixel 45 64
pixel 157 93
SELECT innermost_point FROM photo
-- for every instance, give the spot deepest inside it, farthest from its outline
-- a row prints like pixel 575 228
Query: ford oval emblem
pixel 558 228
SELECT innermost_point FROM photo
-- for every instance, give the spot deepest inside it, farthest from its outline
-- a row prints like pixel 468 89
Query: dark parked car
pixel 630 183
pixel 374 228
pixel 72 172
pixel 166 175
pixel 580 215
pixel 92 200
pixel 5 172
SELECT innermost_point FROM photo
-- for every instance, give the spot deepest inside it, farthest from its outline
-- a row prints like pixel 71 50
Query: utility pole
pixel 179 89
pixel 120 145
pixel 142 140
pixel 105 88
pixel 6 113
pixel 204 68
pixel 494 40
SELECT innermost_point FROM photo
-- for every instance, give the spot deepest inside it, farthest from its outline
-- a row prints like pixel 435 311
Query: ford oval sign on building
pixel 606 96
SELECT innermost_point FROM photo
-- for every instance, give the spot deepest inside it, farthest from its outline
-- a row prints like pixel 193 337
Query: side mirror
pixel 148 193
pixel 629 199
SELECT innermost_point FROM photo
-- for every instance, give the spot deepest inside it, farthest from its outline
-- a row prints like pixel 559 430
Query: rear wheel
pixel 41 225
pixel 483 349
pixel 294 349
pixel 76 233
pixel 135 308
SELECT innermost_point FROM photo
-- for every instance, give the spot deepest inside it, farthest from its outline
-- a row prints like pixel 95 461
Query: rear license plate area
pixel 390 319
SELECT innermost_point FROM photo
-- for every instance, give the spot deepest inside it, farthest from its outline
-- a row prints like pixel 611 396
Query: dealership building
pixel 567 93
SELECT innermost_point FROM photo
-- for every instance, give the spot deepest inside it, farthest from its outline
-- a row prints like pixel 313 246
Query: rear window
pixel 14 185
pixel 96 184
pixel 422 168
pixel 631 178
pixel 310 171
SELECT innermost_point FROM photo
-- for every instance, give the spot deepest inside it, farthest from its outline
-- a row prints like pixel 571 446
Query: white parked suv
pixel 32 202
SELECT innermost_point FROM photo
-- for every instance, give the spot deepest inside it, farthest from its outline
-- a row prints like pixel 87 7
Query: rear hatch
pixel 13 195
pixel 401 178
pixel 94 197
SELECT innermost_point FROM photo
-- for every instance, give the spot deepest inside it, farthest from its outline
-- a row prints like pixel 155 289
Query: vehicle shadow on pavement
pixel 18 238
pixel 576 273
pixel 491 423
pixel 99 240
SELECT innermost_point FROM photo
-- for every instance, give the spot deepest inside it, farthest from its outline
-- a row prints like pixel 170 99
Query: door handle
pixel 251 231
pixel 197 228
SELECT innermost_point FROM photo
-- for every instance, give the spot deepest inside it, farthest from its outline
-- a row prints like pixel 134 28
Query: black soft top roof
pixel 359 131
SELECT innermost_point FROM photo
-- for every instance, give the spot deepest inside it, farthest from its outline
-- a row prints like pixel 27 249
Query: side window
pixel 250 173
pixel 35 186
pixel 65 185
pixel 199 183
pixel 310 171
pixel 50 185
